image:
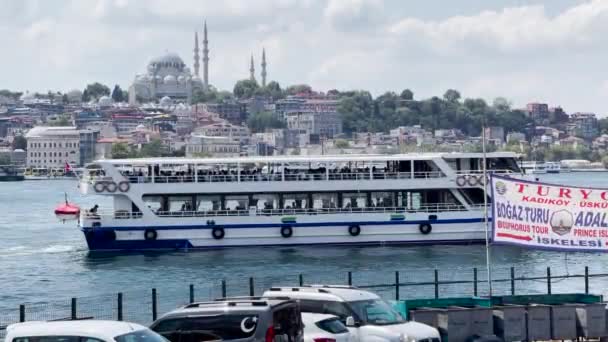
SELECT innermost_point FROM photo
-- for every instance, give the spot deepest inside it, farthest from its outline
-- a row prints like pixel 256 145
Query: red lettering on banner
pixel 586 194
pixel 604 196
pixel 520 187
pixel 540 191
pixel 563 192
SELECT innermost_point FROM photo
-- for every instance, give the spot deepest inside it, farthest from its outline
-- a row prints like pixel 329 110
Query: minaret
pixel 205 58
pixel 196 55
pixel 251 70
pixel 263 67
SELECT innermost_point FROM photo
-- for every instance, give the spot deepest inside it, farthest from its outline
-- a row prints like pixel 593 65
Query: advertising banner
pixel 540 215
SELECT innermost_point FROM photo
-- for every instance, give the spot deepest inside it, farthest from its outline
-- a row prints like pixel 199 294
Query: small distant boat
pixel 534 167
pixel 67 210
pixel 10 173
pixel 553 167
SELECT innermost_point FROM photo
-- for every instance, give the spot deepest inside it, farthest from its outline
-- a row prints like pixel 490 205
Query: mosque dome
pixel 27 96
pixel 140 128
pixel 167 60
pixel 181 78
pixel 166 101
pixel 169 79
pixel 105 101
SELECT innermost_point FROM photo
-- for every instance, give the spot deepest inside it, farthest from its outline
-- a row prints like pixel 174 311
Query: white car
pixel 365 314
pixel 324 328
pixel 80 331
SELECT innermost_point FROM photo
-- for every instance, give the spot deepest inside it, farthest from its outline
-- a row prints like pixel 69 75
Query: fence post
pixel 350 278
pixel 586 279
pixel 119 318
pixel 223 288
pixel 251 289
pixel 301 279
pixel 154 305
pixel 22 313
pixel 191 293
pixel 436 284
pixel 513 281
pixel 397 285
pixel 548 280
pixel 475 281
pixel 74 316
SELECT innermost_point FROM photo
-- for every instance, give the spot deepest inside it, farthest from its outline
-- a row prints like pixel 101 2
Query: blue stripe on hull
pixel 306 224
pixel 184 245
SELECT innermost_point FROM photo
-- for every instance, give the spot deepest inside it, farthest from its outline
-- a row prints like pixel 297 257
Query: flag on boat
pixel 67 168
pixel 550 216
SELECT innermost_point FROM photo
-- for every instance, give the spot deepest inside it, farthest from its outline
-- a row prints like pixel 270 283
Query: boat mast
pixel 485 206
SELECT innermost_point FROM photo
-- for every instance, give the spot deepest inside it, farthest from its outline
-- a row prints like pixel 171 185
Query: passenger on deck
pixel 94 209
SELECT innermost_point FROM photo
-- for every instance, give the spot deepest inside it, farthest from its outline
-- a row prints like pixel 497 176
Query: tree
pixel 407 94
pixel 274 90
pixel 97 90
pixel 356 109
pixel 5 159
pixel 8 93
pixel 64 99
pixel 154 148
pixel 62 120
pixel 341 143
pixel 451 95
pixel 260 122
pixel 121 151
pixel 19 143
pixel 85 96
pixel 117 94
pixel 298 89
pixel 245 89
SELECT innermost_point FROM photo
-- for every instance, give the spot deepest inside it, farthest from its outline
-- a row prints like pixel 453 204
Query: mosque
pixel 168 79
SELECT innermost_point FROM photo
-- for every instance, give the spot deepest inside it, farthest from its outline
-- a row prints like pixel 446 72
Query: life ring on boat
pixel 286 231
pixel 425 228
pixel 99 186
pixel 111 187
pixel 461 180
pixel 354 230
pixel 218 233
pixel 150 234
pixel 124 186
pixel 473 180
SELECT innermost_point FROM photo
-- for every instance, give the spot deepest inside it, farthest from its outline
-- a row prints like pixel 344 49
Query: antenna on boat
pixel 485 205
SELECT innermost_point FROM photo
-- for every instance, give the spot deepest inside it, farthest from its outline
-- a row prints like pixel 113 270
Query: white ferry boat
pixel 177 203
pixel 534 167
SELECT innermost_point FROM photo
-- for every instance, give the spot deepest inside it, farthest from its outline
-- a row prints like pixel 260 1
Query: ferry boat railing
pixel 435 208
pixel 478 172
pixel 279 177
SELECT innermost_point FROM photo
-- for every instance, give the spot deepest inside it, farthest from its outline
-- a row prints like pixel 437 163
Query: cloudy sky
pixel 553 51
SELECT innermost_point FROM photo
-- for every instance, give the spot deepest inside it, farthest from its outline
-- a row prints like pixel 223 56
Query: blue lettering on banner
pixel 591 219
pixel 522 213
pixel 568 243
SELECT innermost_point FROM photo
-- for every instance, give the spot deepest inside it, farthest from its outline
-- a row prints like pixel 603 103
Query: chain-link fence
pixel 145 306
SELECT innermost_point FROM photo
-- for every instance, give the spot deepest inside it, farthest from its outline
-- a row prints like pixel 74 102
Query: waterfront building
pixel 516 137
pixel 125 124
pixel 52 147
pixel 496 133
pixel 233 111
pixel 88 142
pixel 17 157
pixel 538 112
pixel 315 123
pixel 200 145
pixel 583 125
pixel 227 130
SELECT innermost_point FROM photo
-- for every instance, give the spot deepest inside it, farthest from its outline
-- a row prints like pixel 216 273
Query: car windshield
pixel 144 335
pixel 376 311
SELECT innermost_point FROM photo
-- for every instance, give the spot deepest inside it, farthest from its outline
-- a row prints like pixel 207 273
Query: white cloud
pixel 352 14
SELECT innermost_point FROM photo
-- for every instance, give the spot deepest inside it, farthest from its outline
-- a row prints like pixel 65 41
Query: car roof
pixel 89 328
pixel 323 292
pixel 226 305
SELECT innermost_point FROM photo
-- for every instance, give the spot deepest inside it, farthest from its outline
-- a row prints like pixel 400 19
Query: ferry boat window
pixel 155 203
pixel 425 169
pixel 208 202
pixel 180 203
pixel 405 166
pixel 354 200
pixel 295 201
pixel 324 200
pixel 473 195
pixel 502 164
pixel 236 202
pixel 383 199
pixel 264 201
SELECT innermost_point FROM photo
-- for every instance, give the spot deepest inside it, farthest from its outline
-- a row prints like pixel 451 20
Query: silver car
pixel 255 319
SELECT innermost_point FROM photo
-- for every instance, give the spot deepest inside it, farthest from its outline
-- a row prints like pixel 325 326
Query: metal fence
pixel 145 306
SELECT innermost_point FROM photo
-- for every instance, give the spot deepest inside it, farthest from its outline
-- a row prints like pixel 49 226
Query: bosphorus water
pixel 43 259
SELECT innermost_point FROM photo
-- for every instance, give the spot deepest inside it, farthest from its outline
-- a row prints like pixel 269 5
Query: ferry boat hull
pixel 370 229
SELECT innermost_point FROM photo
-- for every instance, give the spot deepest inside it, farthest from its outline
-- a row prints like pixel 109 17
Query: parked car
pixel 255 319
pixel 80 331
pixel 324 328
pixel 365 314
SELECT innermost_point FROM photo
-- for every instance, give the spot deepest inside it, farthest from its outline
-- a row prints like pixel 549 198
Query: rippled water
pixel 44 259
